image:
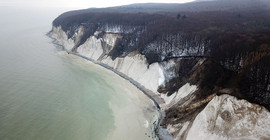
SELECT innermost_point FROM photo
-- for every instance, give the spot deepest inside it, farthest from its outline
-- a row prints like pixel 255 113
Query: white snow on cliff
pixel 226 117
pixel 161 79
pixel 111 28
pixel 169 70
pixel 110 39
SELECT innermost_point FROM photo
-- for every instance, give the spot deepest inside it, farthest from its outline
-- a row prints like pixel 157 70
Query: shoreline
pixel 152 96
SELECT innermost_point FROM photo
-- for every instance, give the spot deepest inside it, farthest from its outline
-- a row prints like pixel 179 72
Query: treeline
pixel 236 43
pixel 162 36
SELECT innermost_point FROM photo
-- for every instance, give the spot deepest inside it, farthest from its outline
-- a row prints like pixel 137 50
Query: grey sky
pixel 80 3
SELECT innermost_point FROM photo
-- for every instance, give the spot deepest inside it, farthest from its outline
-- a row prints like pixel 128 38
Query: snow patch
pixel 110 39
pixel 112 28
pixel 169 70
pixel 161 79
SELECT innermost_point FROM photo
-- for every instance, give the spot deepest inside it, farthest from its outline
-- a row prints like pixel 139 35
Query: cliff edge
pixel 208 62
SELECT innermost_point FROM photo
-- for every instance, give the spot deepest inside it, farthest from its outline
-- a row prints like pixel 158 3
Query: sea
pixel 47 94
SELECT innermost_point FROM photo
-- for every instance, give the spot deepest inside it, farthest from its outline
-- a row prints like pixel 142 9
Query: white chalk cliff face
pixel 224 117
pixel 93 52
pixel 133 65
pixel 62 38
pixel 183 92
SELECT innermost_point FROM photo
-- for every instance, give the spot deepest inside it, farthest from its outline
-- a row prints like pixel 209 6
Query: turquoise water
pixel 46 94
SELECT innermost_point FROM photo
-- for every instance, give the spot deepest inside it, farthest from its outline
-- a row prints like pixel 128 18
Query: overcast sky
pixel 80 3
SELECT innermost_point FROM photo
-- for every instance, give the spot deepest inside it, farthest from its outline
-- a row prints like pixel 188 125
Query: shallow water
pixel 48 94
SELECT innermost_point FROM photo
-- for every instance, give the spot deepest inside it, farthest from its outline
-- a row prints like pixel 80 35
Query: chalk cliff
pixel 212 79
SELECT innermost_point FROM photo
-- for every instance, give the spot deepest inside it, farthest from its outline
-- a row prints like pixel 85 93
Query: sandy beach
pixel 134 112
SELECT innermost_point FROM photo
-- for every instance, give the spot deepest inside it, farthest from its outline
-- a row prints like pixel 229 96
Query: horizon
pixel 80 4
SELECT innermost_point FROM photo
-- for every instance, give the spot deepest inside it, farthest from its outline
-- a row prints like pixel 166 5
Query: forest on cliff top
pixel 233 35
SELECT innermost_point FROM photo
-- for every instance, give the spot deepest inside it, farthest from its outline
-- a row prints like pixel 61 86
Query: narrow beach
pixel 155 99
